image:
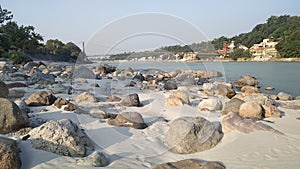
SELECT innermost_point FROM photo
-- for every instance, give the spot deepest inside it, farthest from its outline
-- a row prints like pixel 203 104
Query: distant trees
pixel 239 53
pixel 17 41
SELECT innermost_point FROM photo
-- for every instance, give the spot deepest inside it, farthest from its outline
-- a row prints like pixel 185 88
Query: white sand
pixel 132 148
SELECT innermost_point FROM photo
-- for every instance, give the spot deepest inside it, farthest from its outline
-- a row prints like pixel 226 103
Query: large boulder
pixel 225 90
pixel 41 78
pixel 246 80
pixel 191 164
pixel 251 110
pixel 10 158
pixel 3 90
pixel 186 79
pixel 60 88
pixel 232 105
pixel 233 122
pixel 43 98
pixel 11 117
pixel 259 98
pixel 193 134
pixel 16 93
pixel 85 97
pixel 128 119
pixel 211 104
pixel 170 85
pixel 83 72
pixel 131 100
pixel 284 96
pixel 61 137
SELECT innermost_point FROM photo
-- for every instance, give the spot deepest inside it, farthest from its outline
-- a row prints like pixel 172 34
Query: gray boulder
pixel 3 90
pixel 60 88
pixel 61 137
pixel 11 117
pixel 22 105
pixel 186 79
pixel 10 158
pixel 83 72
pixel 232 105
pixel 170 85
pixel 96 159
pixel 16 93
pixel 191 164
pixel 193 134
pixel 40 78
pixel 284 96
pixel 43 98
pixel 131 100
pixel 128 119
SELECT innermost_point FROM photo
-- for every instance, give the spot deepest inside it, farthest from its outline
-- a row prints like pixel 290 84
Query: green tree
pixel 16 56
pixel 5 15
pixel 289 46
pixel 73 50
pixel 239 53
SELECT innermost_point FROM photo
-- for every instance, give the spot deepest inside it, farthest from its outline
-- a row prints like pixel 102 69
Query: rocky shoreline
pixel 64 111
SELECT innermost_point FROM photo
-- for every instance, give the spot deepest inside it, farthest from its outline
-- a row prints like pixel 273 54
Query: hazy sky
pixel 78 20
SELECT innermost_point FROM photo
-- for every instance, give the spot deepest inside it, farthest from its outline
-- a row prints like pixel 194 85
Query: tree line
pixel 17 42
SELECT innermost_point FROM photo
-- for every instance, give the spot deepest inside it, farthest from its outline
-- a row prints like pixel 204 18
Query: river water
pixel 283 76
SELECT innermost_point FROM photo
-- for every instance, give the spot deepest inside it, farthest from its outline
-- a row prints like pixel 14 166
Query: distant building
pixel 264 50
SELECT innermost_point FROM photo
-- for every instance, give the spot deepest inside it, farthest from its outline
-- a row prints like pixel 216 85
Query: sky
pixel 82 20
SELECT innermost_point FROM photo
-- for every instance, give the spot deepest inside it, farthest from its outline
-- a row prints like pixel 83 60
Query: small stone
pixel 233 106
pixel 85 97
pixel 211 104
pixel 96 159
pixel 284 96
pixel 131 100
pixel 170 85
pixel 173 101
pixel 43 98
pixel 270 88
pixel 191 164
pixel 128 119
pixel 271 111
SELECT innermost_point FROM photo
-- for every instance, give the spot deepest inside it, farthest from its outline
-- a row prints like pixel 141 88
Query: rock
pixel 170 85
pixel 61 137
pixel 114 99
pixel 259 98
pixel 225 90
pixel 95 85
pixel 128 119
pixel 96 159
pixel 208 86
pixel 60 88
pixel 97 113
pixel 297 98
pixel 173 101
pixel 40 78
pixel 270 88
pixel 191 164
pixel 3 90
pixel 59 102
pixel 85 97
pixel 138 77
pixel 16 84
pixel 83 72
pixel 70 107
pixel 182 95
pixel 252 88
pixel 251 109
pixel 193 134
pixel 22 105
pixel 30 65
pixel 186 79
pixel 11 117
pixel 246 80
pixel 131 100
pixel 43 98
pixel 214 74
pixel 234 122
pixel 16 93
pixel 10 158
pixel 211 104
pixel 128 71
pixel 284 96
pixel 232 106
pixel 271 111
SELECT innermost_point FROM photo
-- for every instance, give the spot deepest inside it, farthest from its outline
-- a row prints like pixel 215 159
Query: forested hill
pixel 284 29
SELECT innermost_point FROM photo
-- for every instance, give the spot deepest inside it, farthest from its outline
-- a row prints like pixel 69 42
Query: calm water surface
pixel 283 76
